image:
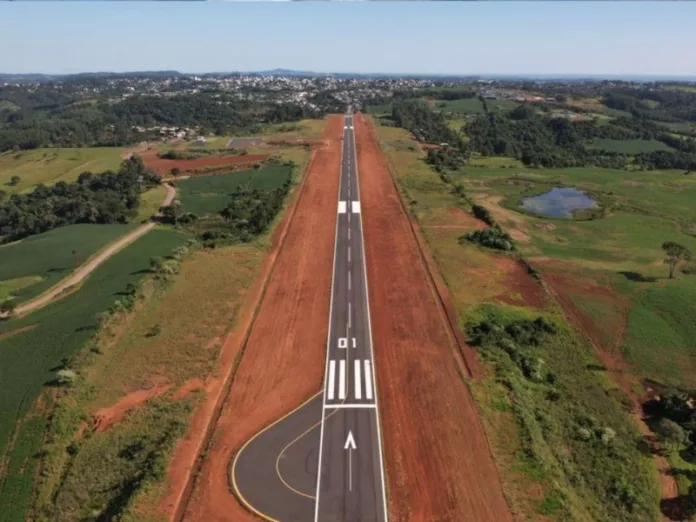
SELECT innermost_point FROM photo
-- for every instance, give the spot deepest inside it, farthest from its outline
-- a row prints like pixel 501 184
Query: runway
pixel 323 462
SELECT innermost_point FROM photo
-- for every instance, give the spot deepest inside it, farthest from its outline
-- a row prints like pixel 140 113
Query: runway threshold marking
pixel 332 379
pixel 342 379
pixel 358 384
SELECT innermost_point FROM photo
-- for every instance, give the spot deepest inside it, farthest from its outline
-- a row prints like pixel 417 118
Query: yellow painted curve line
pixel 280 475
pixel 238 493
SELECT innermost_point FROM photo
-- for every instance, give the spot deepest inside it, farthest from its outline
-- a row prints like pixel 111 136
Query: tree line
pixel 109 197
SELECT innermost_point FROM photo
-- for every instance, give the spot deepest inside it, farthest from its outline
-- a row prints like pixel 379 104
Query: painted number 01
pixel 343 342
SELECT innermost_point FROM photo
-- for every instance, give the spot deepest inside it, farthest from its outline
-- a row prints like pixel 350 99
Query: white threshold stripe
pixel 368 380
pixel 332 379
pixel 358 384
pixel 341 379
pixel 348 406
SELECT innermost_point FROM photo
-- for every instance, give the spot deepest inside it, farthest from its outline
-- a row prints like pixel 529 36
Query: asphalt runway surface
pixel 323 462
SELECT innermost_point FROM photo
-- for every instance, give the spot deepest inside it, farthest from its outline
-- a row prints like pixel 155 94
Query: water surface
pixel 558 202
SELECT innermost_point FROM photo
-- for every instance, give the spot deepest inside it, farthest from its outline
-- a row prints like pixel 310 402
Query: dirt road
pixel 283 360
pixel 81 273
pixel 439 466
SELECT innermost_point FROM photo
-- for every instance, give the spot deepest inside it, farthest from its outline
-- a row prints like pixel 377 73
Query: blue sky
pixel 390 37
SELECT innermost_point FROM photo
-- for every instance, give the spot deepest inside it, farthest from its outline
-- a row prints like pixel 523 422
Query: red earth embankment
pixel 438 462
pixel 164 166
pixel 283 359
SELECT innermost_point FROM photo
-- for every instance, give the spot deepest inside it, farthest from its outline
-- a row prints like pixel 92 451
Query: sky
pixel 611 38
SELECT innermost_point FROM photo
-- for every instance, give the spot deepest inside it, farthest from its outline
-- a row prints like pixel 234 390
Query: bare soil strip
pixel 281 363
pixel 439 465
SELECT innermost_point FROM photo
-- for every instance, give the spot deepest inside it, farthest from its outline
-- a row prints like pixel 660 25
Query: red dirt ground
pixel 104 418
pixel 521 288
pixel 439 465
pixel 164 166
pixel 283 358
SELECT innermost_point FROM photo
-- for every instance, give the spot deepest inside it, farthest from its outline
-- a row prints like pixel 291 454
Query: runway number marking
pixel 343 342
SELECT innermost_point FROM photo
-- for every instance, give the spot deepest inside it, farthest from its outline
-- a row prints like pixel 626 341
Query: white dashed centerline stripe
pixel 358 385
pixel 341 379
pixel 332 379
pixel 368 380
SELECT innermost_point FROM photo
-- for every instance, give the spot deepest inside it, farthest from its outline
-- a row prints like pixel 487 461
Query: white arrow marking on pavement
pixel 350 446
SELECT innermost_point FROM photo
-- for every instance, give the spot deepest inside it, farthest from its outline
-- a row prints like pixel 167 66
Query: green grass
pixel 661 337
pixel 628 146
pixel 474 106
pixel 210 194
pixel 29 358
pixel 150 202
pixel 9 288
pixel 48 166
pixel 681 126
pixel 578 475
pixel 51 256
pixel 385 108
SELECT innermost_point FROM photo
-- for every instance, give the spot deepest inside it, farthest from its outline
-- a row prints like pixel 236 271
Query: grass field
pixel 34 346
pixel 549 474
pixel 474 106
pixel 33 265
pixel 210 194
pixel 48 166
pixel 150 202
pixel 628 146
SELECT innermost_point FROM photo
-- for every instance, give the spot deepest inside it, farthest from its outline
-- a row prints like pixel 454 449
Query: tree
pixel 173 213
pixel 675 253
pixel 14 180
pixel 672 433
pixel 175 171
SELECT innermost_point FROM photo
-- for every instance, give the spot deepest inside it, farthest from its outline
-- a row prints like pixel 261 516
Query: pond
pixel 558 202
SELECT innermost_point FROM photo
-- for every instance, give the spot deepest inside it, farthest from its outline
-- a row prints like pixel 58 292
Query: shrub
pixel 492 237
pixel 66 377
pixel 483 214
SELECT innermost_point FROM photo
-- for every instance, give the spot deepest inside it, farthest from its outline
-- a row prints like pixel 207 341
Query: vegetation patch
pixel 567 420
pixel 30 359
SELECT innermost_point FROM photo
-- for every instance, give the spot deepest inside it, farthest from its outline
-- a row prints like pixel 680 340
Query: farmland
pixel 491 288
pixel 36 345
pixel 209 194
pixel 33 265
pixel 49 166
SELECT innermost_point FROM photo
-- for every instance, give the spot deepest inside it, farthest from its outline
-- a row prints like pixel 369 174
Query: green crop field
pixel 32 348
pixel 32 265
pixel 48 166
pixel 628 146
pixel 210 194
